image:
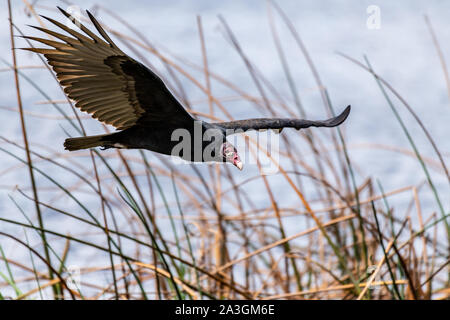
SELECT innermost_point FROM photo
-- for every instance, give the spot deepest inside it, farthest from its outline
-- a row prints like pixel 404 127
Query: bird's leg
pixel 108 145
pixel 114 145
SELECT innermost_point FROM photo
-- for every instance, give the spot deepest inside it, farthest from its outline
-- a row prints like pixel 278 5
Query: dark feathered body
pixel 143 137
pixel 118 90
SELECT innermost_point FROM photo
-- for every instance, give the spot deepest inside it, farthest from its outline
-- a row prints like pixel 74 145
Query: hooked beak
pixel 239 164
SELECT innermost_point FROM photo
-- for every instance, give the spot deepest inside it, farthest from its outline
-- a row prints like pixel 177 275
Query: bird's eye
pixel 228 154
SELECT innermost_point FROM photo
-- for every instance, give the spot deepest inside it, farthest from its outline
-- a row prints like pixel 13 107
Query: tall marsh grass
pixel 136 226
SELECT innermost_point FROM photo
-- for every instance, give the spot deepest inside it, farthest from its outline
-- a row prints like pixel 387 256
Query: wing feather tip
pixel 64 12
pixel 340 118
pixel 344 115
pixel 89 14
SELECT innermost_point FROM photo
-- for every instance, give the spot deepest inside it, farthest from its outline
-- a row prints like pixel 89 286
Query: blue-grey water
pixel 400 50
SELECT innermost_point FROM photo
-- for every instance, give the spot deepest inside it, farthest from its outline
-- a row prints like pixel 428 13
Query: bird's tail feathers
pixel 79 143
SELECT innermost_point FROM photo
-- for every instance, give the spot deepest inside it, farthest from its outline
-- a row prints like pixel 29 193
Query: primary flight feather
pixel 118 90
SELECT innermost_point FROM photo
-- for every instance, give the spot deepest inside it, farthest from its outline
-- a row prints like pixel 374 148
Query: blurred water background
pixel 401 51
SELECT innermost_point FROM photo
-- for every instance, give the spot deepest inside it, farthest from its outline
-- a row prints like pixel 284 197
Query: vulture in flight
pixel 120 91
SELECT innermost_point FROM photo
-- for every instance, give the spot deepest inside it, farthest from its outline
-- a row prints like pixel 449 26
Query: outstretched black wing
pixel 278 123
pixel 104 81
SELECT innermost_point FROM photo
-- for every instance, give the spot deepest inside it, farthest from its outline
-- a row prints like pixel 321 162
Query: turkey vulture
pixel 117 90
